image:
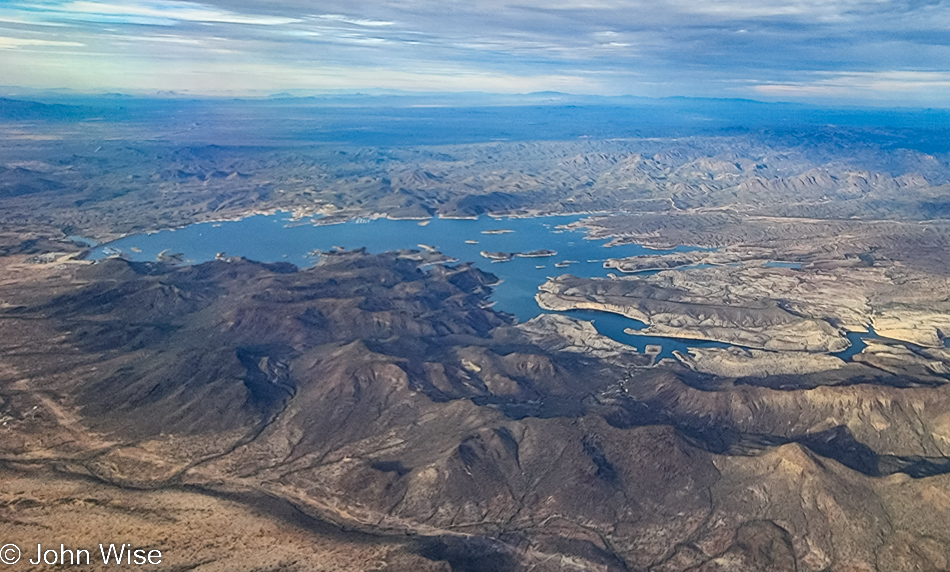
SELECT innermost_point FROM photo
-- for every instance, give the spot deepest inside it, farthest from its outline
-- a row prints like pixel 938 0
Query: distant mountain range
pixel 435 119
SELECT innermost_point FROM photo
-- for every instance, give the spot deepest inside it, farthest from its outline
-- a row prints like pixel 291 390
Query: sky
pixel 865 52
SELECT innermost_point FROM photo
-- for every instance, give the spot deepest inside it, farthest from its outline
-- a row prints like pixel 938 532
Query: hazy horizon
pixel 373 97
pixel 887 53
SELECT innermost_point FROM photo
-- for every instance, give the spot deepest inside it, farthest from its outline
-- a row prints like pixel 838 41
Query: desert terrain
pixel 373 412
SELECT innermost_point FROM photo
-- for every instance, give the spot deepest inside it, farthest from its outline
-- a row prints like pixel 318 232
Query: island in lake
pixel 536 253
pixel 507 256
pixel 497 256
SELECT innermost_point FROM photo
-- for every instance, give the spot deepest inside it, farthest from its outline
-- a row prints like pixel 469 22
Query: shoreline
pixel 300 214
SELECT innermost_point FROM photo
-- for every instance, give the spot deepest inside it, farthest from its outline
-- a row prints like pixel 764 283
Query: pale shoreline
pixel 300 214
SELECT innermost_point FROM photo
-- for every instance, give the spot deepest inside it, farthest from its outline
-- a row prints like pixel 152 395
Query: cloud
pixel 8 43
pixel 229 76
pixel 795 49
pixel 356 21
pixel 882 85
pixel 26 21
pixel 162 38
pixel 811 10
pixel 158 11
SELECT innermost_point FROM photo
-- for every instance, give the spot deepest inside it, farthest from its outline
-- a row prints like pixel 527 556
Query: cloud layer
pixel 859 51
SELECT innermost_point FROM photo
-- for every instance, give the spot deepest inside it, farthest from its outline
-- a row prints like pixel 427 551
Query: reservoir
pixel 280 238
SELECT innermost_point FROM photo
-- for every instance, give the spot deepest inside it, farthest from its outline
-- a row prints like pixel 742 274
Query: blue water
pixel 857 344
pixel 613 326
pixel 779 264
pixel 276 238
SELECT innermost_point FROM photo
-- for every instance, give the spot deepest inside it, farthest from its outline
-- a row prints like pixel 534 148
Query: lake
pixel 279 238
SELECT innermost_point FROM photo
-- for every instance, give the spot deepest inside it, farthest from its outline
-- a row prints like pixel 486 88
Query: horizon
pixel 842 53
pixel 460 99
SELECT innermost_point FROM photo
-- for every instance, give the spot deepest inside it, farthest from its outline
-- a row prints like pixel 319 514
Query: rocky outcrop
pixel 555 333
pixel 768 307
pixel 924 327
pixel 738 362
pixel 675 312
pixel 649 262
